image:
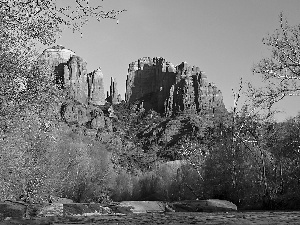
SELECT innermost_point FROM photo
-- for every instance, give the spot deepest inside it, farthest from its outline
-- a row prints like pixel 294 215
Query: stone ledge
pixel 210 205
pixel 15 209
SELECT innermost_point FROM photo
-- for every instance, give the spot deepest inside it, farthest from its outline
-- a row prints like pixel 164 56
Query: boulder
pixel 62 200
pixel 141 207
pixel 51 210
pixel 85 209
pixel 210 205
pixel 13 209
pixel 98 122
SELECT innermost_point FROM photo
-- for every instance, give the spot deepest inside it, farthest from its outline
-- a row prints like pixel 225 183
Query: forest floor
pixel 236 218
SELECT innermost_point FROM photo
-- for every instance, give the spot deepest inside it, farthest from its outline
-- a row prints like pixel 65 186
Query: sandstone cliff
pixel 69 72
pixel 85 90
pixel 169 89
pixel 55 59
pixel 158 84
pixel 95 87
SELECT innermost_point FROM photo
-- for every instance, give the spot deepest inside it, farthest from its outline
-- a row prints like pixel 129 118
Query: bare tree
pixel 281 71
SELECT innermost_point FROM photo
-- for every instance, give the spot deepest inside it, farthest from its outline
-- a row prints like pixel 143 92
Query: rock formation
pixel 156 83
pixel 88 116
pixel 85 90
pixel 70 73
pixel 75 78
pixel 95 87
pixel 193 92
pixel 150 80
pixel 169 89
pixel 112 96
pixel 55 59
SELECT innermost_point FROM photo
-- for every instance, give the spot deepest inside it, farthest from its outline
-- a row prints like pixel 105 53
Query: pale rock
pixel 96 88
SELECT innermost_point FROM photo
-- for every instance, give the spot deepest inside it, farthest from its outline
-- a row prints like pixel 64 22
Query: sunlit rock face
pixel 55 58
pixel 76 79
pixel 95 87
pixel 57 53
pixel 85 90
pixel 69 72
pixel 169 89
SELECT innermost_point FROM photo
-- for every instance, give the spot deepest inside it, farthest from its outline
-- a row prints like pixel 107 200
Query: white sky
pixel 222 37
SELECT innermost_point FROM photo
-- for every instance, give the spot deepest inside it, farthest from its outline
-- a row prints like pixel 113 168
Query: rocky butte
pixel 70 73
pixel 154 82
pixel 85 90
pixel 169 89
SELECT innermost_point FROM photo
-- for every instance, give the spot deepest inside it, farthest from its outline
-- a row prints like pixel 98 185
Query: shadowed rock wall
pixel 150 80
pixel 169 89
pixel 113 96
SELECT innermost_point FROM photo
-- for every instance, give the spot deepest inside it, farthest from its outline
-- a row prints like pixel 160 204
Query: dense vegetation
pixel 242 156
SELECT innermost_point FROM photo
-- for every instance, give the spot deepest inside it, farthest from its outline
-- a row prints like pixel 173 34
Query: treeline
pixel 252 163
pixel 242 158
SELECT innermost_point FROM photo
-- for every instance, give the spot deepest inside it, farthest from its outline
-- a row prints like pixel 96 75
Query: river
pixel 237 218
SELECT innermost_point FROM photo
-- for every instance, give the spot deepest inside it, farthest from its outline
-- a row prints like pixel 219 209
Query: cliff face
pixel 150 80
pixel 160 85
pixel 70 73
pixel 55 59
pixel 170 89
pixel 95 87
pixel 75 78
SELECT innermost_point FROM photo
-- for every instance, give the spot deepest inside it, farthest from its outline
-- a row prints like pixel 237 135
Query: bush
pixel 166 182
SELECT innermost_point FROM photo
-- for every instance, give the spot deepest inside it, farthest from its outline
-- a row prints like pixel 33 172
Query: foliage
pixel 30 127
pixel 167 182
pixel 243 156
pixel 38 161
pixel 277 143
pixel 26 23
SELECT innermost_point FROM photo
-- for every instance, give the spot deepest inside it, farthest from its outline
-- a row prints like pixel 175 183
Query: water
pixel 238 218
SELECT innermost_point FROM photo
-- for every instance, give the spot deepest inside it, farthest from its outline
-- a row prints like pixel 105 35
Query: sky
pixel 222 37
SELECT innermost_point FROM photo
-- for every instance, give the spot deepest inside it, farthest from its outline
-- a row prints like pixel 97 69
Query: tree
pixel 281 71
pixel 28 98
pixel 239 165
pixel 284 145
